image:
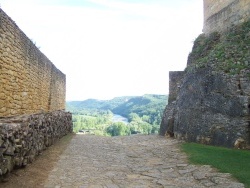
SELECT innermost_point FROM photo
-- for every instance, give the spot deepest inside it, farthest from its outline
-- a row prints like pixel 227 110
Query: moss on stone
pixel 228 52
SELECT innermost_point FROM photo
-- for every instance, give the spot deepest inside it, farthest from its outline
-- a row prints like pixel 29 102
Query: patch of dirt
pixel 35 174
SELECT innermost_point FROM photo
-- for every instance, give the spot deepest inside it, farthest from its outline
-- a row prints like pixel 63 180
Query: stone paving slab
pixel 138 161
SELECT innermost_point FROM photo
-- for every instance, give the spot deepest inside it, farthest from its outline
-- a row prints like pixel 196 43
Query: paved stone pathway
pixel 137 161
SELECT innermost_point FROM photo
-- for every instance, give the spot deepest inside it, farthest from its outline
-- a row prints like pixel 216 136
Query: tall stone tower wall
pixel 219 15
pixel 29 82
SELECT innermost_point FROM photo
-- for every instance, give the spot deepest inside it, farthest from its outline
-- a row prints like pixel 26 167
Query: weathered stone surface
pixel 175 80
pixel 209 109
pixel 221 15
pixel 22 138
pixel 209 102
pixel 29 82
pixel 167 123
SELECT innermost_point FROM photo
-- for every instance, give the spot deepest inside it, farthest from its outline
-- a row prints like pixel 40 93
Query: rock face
pixel 211 108
pixel 209 102
pixel 22 138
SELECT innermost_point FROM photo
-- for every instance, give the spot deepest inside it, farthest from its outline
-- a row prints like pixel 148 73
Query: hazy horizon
pixel 117 97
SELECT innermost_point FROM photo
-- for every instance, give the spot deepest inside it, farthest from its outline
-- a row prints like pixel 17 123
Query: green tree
pixel 118 129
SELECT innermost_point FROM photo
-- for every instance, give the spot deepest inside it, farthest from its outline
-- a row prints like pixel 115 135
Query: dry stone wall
pixel 29 82
pixel 220 15
pixel 22 138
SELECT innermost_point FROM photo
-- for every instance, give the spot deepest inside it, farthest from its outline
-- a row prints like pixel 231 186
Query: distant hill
pixel 150 105
pixel 95 104
pixel 143 105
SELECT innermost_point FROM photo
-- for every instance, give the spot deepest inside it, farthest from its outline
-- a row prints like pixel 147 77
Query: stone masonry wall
pixel 29 82
pixel 22 138
pixel 219 15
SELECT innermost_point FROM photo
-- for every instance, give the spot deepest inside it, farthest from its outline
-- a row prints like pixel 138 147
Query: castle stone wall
pixel 29 82
pixel 220 15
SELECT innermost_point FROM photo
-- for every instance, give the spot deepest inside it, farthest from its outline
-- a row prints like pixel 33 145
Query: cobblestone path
pixel 138 161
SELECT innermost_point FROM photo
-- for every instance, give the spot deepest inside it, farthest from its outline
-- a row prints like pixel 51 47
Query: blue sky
pixel 111 48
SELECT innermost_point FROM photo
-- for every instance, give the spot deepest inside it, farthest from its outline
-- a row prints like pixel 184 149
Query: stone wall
pixel 219 15
pixel 22 138
pixel 29 82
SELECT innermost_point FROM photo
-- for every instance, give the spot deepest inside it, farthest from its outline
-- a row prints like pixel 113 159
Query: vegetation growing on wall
pixel 228 52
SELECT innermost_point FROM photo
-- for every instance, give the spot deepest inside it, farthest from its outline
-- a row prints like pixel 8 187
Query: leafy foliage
pixel 118 129
pixel 96 124
pixel 149 107
pixel 144 115
pixel 102 125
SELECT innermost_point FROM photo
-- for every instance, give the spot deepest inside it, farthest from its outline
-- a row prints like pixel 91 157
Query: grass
pixel 235 162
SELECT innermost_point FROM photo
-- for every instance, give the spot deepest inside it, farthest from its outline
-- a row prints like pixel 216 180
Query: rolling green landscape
pixel 142 114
